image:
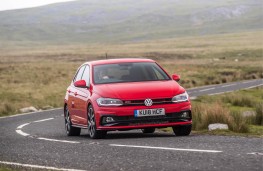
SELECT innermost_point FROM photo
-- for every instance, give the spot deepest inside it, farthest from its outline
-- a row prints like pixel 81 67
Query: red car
pixel 125 94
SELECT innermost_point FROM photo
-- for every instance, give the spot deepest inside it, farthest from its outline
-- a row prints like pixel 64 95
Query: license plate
pixel 149 112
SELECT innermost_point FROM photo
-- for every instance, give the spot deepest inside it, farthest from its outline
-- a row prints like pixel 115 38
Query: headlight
pixel 109 102
pixel 180 98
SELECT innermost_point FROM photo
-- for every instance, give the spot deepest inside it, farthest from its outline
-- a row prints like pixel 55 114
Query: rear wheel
pixel 182 130
pixel 70 130
pixel 92 128
pixel 148 130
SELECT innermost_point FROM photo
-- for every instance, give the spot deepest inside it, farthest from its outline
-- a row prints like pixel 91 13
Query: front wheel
pixel 70 130
pixel 92 128
pixel 182 130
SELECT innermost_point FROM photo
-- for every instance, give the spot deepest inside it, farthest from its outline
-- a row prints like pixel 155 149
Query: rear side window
pixel 79 74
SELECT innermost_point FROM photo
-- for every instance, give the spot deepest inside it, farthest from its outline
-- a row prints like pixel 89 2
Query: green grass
pixel 36 84
pixel 254 131
pixel 38 76
pixel 6 168
pixel 228 108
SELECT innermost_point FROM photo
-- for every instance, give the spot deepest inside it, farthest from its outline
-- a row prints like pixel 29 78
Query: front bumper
pixel 124 118
pixel 131 122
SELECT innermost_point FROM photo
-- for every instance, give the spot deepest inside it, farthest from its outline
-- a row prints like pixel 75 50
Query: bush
pixel 7 109
pixel 203 115
pixel 239 100
pixel 238 123
pixel 259 114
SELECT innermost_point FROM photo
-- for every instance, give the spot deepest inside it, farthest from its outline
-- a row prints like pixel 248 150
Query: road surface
pixel 38 140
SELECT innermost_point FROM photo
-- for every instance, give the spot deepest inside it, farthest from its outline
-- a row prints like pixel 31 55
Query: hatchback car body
pixel 125 94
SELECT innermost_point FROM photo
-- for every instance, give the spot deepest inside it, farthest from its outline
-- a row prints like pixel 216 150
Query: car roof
pixel 120 60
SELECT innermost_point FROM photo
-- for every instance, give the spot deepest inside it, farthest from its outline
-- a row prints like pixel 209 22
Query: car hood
pixel 139 90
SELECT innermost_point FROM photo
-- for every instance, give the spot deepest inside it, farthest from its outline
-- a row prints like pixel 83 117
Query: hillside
pixel 92 21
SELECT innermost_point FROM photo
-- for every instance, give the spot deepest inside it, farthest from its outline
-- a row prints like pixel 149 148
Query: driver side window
pixel 79 74
pixel 86 75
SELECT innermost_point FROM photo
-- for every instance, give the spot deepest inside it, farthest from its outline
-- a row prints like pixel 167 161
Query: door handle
pixel 75 93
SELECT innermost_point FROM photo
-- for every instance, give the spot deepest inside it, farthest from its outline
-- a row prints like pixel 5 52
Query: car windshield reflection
pixel 128 72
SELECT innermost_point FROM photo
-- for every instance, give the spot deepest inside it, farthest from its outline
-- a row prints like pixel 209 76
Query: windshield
pixel 128 72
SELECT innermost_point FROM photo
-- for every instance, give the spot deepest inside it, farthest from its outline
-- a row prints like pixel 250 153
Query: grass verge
pixel 240 110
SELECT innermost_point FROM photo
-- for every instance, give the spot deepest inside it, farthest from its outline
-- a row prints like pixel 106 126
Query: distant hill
pixel 95 21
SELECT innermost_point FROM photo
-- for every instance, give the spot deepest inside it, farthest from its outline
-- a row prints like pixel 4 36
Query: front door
pixel 81 98
pixel 73 99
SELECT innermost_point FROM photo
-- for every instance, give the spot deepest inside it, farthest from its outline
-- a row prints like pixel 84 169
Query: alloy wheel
pixel 67 120
pixel 91 122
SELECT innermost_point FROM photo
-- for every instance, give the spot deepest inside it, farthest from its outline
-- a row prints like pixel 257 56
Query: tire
pixel 182 130
pixel 70 130
pixel 92 128
pixel 148 130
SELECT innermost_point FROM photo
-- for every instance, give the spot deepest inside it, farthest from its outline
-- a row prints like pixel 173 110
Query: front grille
pixel 141 102
pixel 147 118
pixel 131 120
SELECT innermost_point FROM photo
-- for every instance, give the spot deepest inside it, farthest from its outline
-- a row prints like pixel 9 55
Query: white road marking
pixel 42 120
pixel 37 166
pixel 196 88
pixel 29 113
pixel 166 148
pixel 253 86
pixel 21 126
pixel 245 82
pixel 229 85
pixel 55 140
pixel 256 153
pixel 19 131
pixel 207 89
pixel 219 93
pixel 22 133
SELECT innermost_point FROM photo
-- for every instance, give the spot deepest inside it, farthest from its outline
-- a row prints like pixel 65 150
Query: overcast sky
pixel 17 4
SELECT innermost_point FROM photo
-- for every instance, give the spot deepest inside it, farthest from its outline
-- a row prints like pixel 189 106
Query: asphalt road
pixel 223 88
pixel 38 140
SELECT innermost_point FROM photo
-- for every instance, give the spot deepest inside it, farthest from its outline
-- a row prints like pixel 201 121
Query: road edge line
pixel 166 148
pixel 19 131
pixel 37 166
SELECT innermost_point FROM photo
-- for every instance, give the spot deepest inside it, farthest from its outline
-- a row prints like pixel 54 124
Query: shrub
pixel 7 109
pixel 238 122
pixel 203 115
pixel 239 100
pixel 259 114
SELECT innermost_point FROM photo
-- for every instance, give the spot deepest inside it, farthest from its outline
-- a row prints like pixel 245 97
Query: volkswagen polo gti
pixel 125 94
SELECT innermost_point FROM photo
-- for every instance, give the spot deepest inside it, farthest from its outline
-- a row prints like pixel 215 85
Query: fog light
pixel 185 115
pixel 109 119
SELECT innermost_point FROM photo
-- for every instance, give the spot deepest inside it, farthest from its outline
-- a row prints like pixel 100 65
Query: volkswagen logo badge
pixel 148 102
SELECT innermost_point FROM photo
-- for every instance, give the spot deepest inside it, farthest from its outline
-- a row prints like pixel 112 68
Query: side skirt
pixel 80 126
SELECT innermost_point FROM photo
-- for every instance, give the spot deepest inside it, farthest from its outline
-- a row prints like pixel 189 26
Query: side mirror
pixel 81 84
pixel 176 77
